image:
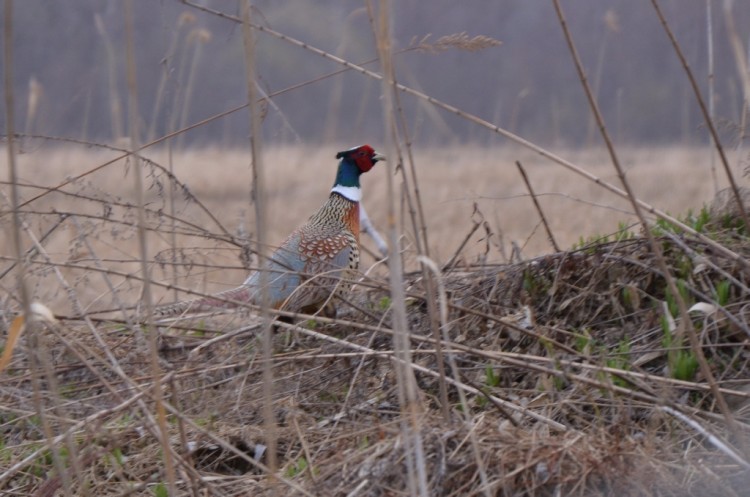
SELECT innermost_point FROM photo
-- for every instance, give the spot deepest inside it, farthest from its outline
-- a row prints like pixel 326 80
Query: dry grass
pixel 571 379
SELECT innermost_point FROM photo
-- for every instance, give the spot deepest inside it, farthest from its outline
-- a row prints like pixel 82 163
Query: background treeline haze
pixel 70 57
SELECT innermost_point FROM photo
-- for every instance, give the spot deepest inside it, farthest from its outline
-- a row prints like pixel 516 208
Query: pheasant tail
pixel 224 300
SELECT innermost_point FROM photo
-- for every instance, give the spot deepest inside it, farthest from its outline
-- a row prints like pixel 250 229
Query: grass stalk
pixel 166 65
pixel 197 37
pixel 115 108
pixel 704 111
pixel 423 247
pixel 150 330
pixel 711 84
pixel 416 215
pixel 36 354
pixel 538 207
pixel 32 104
pixel 261 219
pixel 11 155
pixel 407 388
pixel 741 62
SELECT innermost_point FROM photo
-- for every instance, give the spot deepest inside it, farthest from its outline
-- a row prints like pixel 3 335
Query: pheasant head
pixel 354 162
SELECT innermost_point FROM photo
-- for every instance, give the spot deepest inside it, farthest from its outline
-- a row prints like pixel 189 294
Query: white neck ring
pixel 353 193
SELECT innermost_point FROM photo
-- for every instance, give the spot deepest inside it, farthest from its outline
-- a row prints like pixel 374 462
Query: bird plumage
pixel 316 262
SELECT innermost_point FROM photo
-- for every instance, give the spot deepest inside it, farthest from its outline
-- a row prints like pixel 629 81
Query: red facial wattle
pixel 363 157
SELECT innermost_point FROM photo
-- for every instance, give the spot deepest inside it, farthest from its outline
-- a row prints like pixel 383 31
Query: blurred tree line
pixel 70 70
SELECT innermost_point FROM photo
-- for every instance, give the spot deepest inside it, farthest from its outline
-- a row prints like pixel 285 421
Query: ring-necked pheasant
pixel 316 260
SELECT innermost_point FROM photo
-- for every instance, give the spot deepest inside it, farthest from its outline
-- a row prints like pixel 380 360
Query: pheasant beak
pixel 378 157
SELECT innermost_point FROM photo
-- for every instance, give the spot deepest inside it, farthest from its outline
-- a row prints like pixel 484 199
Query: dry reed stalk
pixel 36 355
pixel 193 476
pixel 178 100
pixel 741 61
pixel 461 41
pixel 11 153
pixel 331 123
pixel 150 330
pixel 686 322
pixel 538 207
pixel 408 397
pixel 416 215
pixel 711 84
pixel 115 108
pixel 184 19
pixel 41 358
pixel 610 24
pixel 704 111
pixel 738 51
pixel 182 102
pixel 172 194
pixel 258 189
pixel 476 225
pixel 423 247
pixel 198 37
pixel 36 91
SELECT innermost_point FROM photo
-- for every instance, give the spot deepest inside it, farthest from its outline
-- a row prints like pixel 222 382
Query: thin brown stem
pixel 150 330
pixel 538 207
pixel 407 388
pixel 705 112
pixel 420 234
pixel 477 224
pixel 261 220
pixel 11 152
pixel 711 83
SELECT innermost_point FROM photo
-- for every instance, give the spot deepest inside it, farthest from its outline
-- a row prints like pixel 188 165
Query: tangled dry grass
pixel 577 380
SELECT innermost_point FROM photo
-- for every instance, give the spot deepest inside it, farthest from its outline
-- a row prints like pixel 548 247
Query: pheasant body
pixel 315 263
